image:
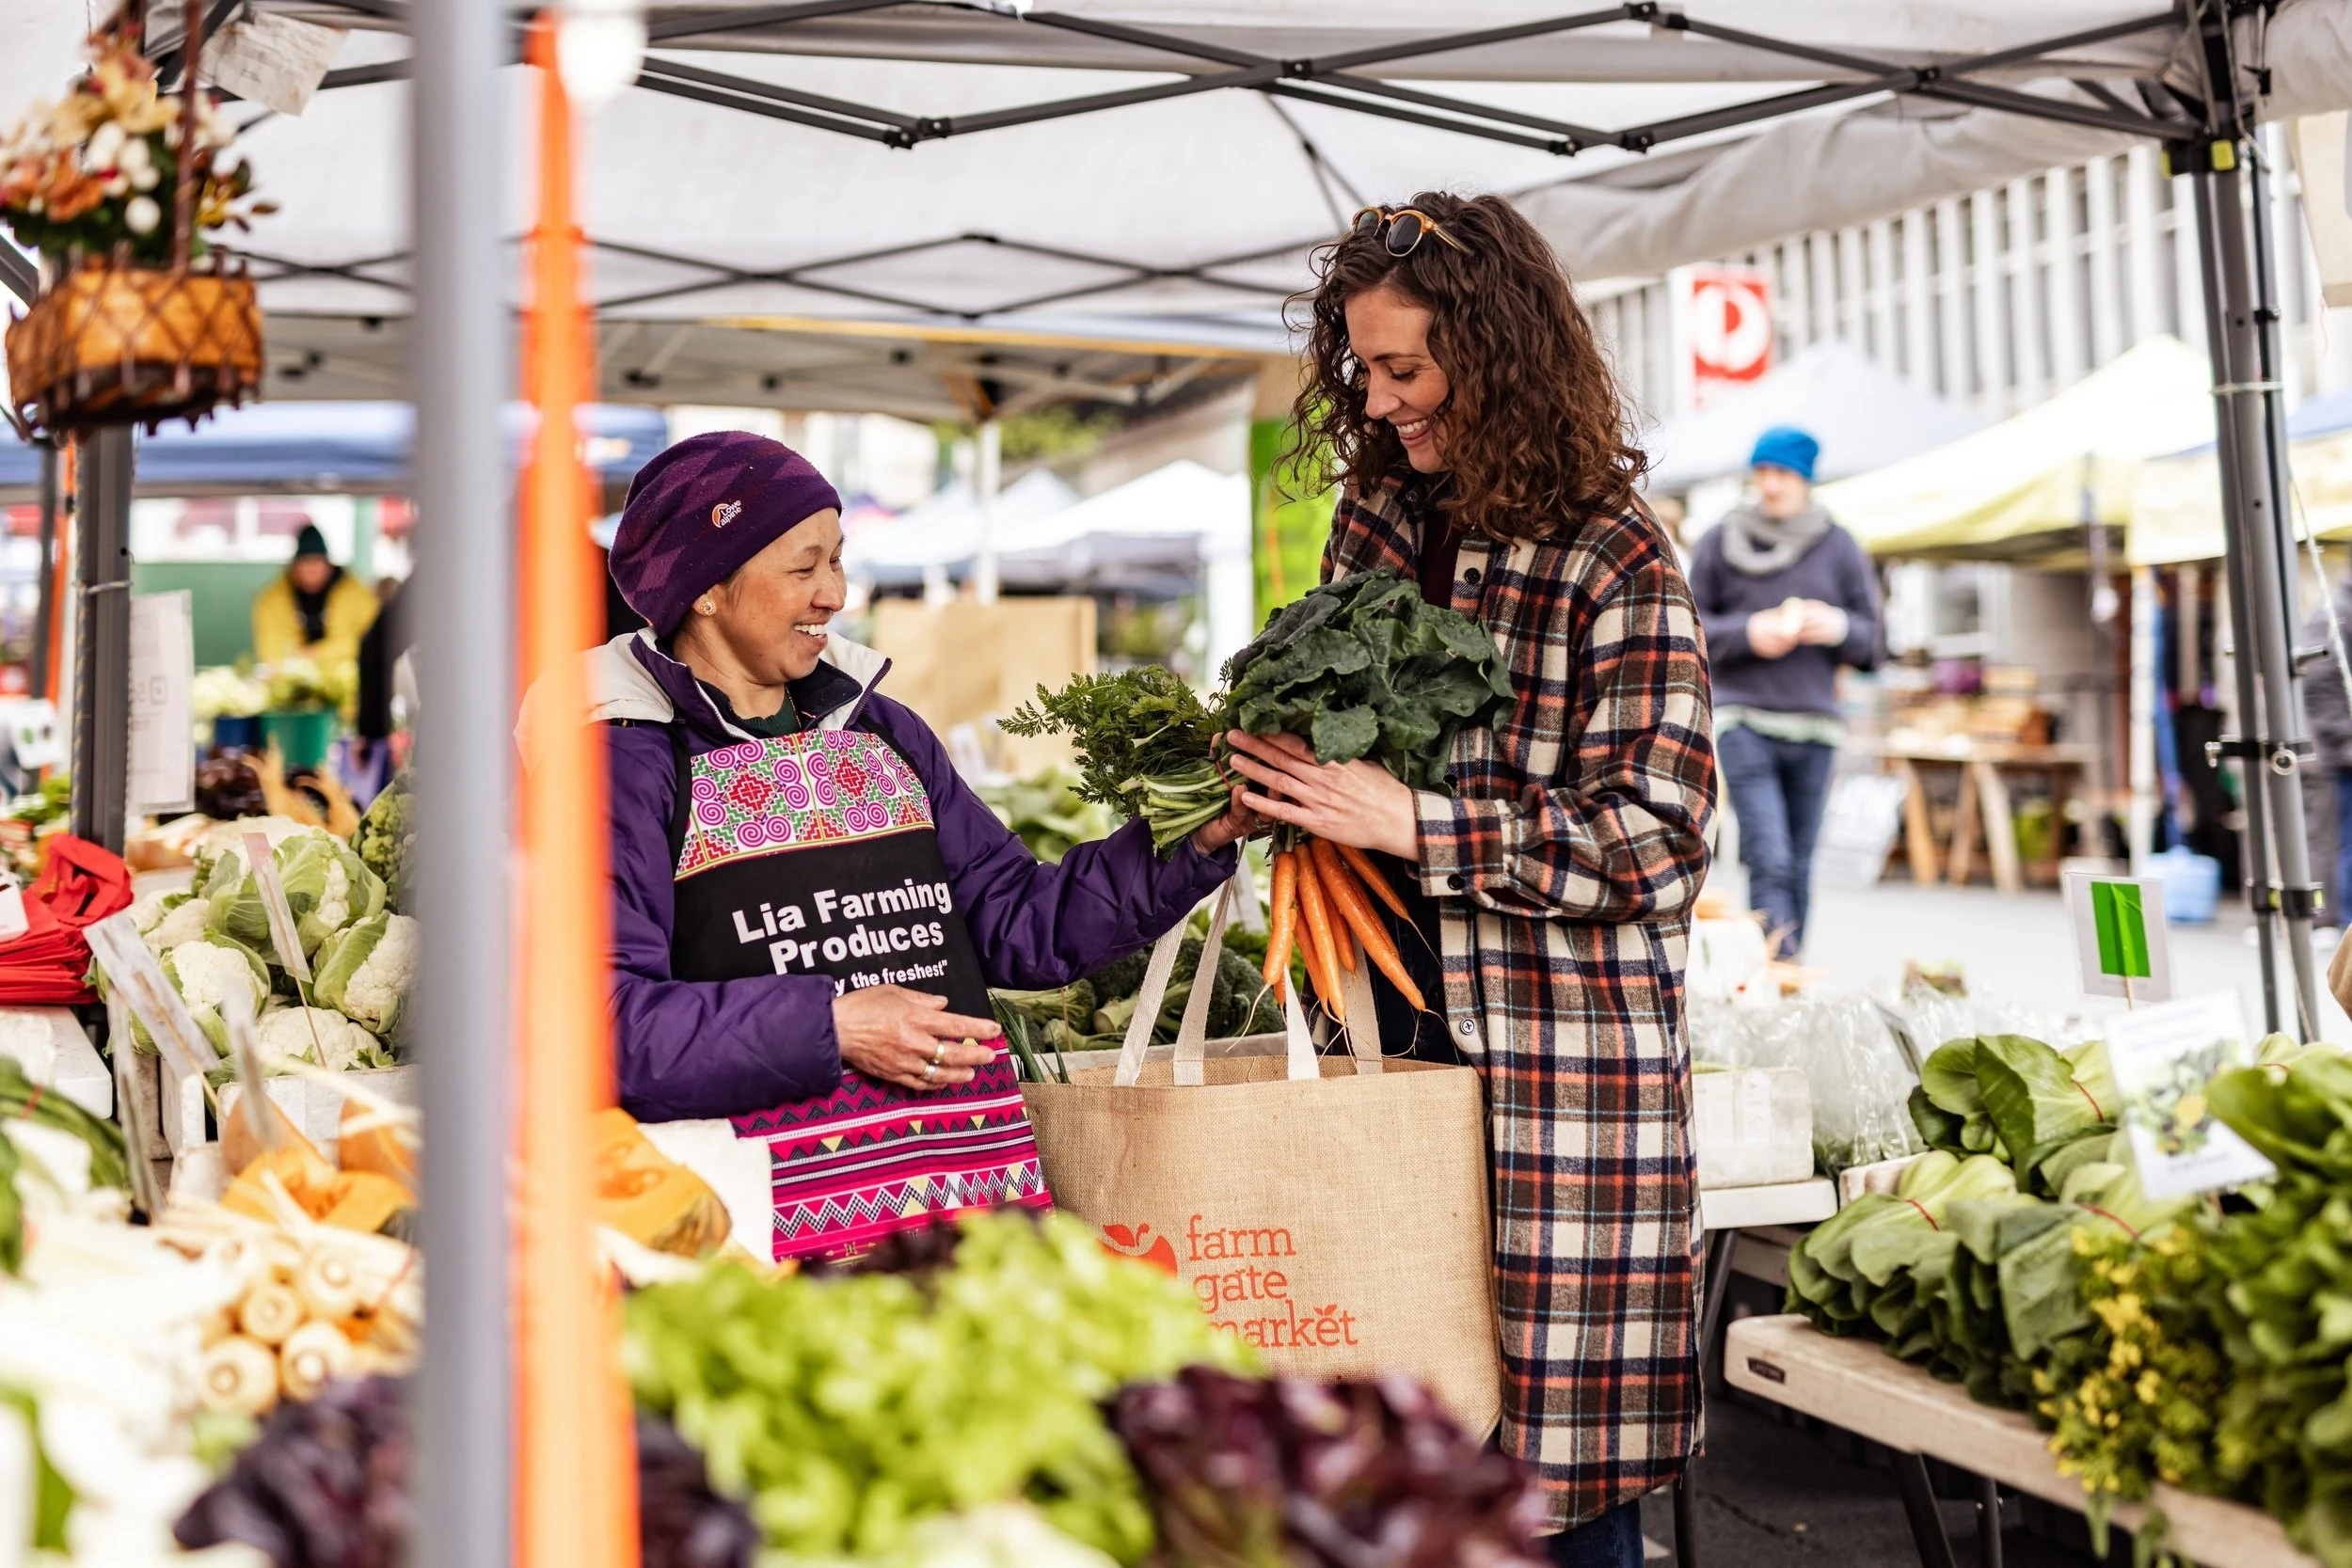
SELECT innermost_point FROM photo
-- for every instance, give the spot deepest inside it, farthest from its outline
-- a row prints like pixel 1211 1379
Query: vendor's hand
pixel 893 1034
pixel 1239 822
pixel 1824 625
pixel 1360 804
pixel 1770 635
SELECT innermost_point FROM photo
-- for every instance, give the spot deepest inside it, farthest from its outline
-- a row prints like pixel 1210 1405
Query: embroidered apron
pixel 816 854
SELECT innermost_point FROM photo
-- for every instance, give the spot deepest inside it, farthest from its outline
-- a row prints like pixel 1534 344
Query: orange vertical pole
pixel 576 1504
pixel 61 570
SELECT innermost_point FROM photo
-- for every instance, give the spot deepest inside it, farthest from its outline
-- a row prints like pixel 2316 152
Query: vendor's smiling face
pixel 1390 334
pixel 771 613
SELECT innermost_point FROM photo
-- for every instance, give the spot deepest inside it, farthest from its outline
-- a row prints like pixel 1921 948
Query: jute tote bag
pixel 1331 1210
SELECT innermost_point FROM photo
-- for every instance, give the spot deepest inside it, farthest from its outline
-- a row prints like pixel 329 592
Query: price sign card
pixel 134 975
pixel 2120 939
pixel 2163 1057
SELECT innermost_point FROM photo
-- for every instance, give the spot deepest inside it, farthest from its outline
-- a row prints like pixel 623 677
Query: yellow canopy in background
pixel 1985 493
pixel 2176 510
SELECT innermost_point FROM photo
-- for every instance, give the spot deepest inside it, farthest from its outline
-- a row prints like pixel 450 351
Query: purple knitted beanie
pixel 700 510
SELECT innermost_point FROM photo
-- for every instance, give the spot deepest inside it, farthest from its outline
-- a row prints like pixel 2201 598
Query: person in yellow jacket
pixel 313 609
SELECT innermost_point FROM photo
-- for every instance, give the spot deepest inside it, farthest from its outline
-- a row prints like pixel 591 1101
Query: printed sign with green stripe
pixel 2122 927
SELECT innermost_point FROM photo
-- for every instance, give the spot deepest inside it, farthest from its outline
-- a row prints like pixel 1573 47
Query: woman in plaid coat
pixel 1475 427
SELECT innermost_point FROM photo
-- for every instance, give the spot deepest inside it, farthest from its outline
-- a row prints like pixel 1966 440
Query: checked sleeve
pixel 1620 834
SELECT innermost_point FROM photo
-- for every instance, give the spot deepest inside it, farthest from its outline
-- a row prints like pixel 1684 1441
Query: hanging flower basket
pixel 141 319
pixel 111 345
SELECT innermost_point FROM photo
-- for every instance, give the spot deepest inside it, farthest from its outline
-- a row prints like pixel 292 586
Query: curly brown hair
pixel 1536 437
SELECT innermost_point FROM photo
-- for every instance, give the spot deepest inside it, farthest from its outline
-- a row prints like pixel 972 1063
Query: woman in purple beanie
pixel 808 903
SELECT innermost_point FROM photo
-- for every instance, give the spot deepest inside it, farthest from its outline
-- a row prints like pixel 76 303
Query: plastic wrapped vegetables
pixel 1288 1474
pixel 846 1411
pixel 1872 1268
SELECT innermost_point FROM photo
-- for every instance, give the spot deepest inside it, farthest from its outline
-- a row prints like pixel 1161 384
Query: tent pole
pixel 2254 854
pixel 988 475
pixel 465 564
pixel 2253 546
pixel 102 675
pixel 45 617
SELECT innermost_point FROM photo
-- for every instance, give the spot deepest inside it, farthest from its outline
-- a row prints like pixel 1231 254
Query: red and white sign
pixel 1729 310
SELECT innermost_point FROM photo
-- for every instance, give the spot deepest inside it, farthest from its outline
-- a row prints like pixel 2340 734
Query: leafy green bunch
pixel 1365 667
pixel 2279 1298
pixel 1146 744
pixel 846 1411
pixel 2015 1098
pixel 1873 1268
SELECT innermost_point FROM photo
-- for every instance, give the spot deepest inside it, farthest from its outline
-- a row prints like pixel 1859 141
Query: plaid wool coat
pixel 1565 866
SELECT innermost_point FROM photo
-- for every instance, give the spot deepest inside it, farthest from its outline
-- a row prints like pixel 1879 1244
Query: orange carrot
pixel 1345 895
pixel 1322 961
pixel 1362 864
pixel 1342 942
pixel 1283 927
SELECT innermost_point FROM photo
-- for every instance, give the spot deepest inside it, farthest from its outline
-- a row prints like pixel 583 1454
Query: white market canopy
pixel 1092 164
pixel 942 530
pixel 2018 487
pixel 1863 414
pixel 2176 507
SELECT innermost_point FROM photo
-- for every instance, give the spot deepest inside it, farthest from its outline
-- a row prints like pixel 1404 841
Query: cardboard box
pixel 965 662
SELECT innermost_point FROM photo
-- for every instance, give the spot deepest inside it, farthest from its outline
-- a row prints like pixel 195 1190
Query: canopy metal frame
pixel 1346 81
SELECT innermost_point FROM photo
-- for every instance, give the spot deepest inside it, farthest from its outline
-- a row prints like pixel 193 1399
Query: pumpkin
pixel 650 1198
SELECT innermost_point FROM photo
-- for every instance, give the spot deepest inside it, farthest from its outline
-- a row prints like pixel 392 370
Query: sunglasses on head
pixel 1402 229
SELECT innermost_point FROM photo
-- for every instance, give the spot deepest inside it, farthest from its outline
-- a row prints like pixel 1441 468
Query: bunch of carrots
pixel 1323 894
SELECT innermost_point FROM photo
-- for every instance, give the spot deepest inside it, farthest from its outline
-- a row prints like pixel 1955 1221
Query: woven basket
pixel 115 345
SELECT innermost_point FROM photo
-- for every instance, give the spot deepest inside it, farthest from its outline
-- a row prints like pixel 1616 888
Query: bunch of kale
pixel 1365 667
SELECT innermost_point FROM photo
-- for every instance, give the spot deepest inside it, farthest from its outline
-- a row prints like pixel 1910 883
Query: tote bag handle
pixel 1238 899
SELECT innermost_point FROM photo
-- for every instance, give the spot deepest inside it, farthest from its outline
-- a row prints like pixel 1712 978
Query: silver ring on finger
pixel 931 1070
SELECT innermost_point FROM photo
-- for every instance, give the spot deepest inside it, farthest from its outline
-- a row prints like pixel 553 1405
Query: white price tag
pixel 283 935
pixel 138 980
pixel 163 711
pixel 245 1052
pixel 131 1110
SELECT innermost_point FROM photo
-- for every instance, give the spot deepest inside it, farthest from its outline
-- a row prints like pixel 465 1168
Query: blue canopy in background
pixel 327 448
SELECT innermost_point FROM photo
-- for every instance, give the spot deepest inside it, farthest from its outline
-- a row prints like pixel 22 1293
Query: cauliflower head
pixel 185 921
pixel 208 973
pixel 366 969
pixel 286 1034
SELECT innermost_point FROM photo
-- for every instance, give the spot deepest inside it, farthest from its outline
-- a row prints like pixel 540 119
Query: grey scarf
pixel 1756 546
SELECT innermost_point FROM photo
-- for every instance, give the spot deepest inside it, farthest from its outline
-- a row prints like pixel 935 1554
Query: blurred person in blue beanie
pixel 1787 599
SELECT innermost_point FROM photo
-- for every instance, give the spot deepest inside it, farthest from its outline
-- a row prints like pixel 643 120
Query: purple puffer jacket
pixel 691 1048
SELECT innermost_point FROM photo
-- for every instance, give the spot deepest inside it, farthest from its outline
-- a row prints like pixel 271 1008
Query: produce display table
pixel 1856 1385
pixel 1985 768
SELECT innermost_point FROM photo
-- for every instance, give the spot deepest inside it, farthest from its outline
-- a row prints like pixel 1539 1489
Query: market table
pixel 1985 769
pixel 1724 1213
pixel 1856 1385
